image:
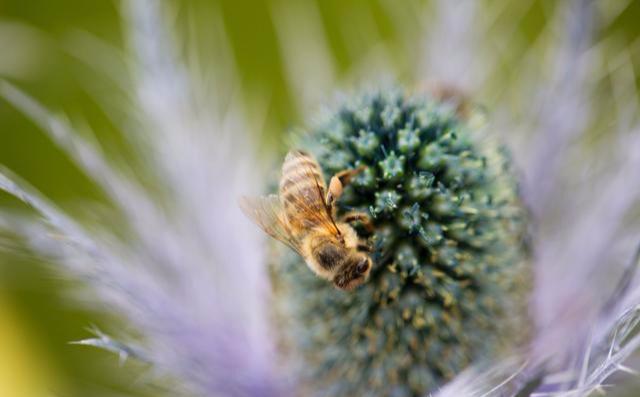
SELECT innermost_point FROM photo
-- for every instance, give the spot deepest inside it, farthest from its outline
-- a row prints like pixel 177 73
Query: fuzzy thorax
pixel 335 259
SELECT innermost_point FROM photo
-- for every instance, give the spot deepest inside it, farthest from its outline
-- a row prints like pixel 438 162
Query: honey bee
pixel 303 216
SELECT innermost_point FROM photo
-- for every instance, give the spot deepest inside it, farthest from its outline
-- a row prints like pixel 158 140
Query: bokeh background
pixel 41 46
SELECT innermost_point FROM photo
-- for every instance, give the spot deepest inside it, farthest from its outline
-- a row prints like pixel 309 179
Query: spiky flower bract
pixel 201 324
pixel 447 287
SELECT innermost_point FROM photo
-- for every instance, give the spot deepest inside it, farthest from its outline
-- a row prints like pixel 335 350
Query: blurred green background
pixel 37 319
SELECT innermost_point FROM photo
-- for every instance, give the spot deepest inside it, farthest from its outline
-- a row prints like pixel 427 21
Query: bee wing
pixel 310 188
pixel 266 212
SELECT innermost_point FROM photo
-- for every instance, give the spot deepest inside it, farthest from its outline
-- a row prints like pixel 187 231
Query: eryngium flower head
pixel 448 283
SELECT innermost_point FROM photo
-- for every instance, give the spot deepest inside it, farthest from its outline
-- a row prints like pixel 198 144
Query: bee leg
pixel 337 184
pixel 333 192
pixel 359 216
pixel 363 246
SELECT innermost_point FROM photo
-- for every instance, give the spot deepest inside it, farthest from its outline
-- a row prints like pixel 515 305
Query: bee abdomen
pixel 304 207
pixel 300 180
pixel 297 159
pixel 300 172
pixel 302 190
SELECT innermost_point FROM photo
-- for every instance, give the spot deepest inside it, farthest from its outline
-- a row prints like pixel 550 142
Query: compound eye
pixel 362 266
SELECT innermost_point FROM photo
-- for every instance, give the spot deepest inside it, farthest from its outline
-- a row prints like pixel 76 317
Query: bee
pixel 303 216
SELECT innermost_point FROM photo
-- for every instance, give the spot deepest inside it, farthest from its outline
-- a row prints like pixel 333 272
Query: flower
pixel 188 274
pixel 449 283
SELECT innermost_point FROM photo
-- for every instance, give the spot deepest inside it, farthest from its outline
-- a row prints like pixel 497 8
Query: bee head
pixel 354 271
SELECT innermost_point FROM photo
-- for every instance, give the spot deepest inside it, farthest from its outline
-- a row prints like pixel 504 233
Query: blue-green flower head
pixel 447 287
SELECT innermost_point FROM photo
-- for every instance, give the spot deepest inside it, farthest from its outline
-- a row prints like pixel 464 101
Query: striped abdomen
pixel 302 191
